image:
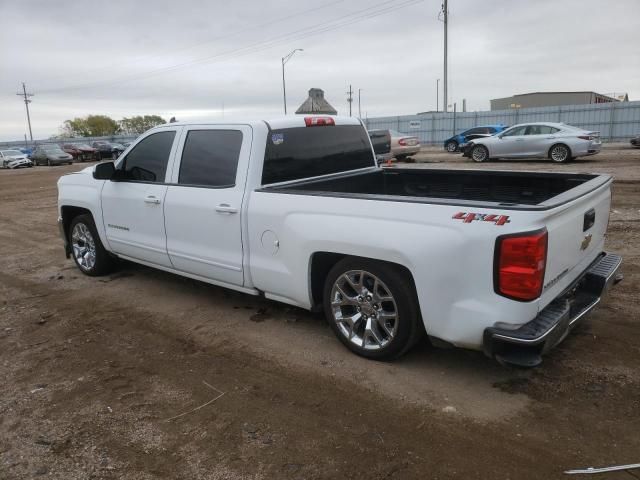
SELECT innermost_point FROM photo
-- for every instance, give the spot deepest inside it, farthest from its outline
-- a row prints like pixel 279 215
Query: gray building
pixel 316 103
pixel 552 99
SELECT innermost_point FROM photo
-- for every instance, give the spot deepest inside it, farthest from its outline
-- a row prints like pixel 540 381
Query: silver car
pixel 556 141
pixel 14 159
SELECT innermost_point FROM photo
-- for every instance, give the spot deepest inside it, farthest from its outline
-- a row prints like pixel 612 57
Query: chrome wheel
pixel 559 153
pixel 479 154
pixel 451 147
pixel 364 309
pixel 84 247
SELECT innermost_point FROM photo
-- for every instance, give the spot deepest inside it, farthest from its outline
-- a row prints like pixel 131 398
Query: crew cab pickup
pixel 297 210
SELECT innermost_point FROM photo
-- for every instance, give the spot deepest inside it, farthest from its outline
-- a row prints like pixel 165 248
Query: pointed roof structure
pixel 316 103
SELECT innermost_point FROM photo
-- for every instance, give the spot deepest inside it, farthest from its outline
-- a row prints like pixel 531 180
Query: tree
pixel 90 126
pixel 140 124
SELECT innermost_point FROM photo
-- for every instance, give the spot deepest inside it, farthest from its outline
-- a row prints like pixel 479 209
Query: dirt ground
pixel 96 371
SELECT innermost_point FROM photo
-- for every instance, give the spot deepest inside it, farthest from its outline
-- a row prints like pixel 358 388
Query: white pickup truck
pixel 296 209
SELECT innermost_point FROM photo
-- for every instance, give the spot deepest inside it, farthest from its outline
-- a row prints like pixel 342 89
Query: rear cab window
pixel 305 152
pixel 210 158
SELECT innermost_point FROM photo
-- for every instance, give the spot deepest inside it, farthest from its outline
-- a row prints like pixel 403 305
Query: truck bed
pixel 515 190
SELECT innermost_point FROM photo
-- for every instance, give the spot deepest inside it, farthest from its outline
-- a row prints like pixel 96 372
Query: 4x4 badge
pixel 483 217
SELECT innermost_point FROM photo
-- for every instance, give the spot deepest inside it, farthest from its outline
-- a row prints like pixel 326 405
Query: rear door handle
pixel 550 138
pixel 519 139
pixel 152 200
pixel 226 208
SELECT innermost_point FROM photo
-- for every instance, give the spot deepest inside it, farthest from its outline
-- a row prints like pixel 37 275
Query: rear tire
pixel 559 153
pixel 479 154
pixel 451 147
pixel 372 308
pixel 87 250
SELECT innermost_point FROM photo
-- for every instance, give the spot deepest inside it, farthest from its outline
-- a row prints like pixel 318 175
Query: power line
pixel 236 33
pixel 25 97
pixel 358 16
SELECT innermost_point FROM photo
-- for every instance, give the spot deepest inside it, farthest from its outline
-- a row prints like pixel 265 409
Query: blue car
pixel 455 143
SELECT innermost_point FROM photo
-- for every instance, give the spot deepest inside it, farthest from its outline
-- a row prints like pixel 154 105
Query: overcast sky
pixel 189 58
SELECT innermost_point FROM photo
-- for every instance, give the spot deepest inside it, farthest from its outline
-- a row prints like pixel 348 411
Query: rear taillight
pixel 585 137
pixel 319 121
pixel 409 141
pixel 520 261
pixel 402 141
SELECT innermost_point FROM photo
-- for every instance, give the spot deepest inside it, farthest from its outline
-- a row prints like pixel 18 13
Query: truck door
pixel 203 206
pixel 132 205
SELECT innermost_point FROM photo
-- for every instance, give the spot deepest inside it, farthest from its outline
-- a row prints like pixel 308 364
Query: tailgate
pixel 576 238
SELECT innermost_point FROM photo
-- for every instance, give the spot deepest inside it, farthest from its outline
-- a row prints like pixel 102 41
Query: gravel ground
pixel 95 370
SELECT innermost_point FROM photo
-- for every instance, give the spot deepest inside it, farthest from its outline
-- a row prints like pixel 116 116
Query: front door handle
pixel 226 208
pixel 519 139
pixel 152 200
pixel 550 138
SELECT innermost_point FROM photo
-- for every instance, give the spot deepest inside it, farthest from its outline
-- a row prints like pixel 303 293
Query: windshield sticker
pixel 470 217
pixel 277 138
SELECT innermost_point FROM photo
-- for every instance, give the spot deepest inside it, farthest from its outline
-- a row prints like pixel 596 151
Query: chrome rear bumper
pixel 525 345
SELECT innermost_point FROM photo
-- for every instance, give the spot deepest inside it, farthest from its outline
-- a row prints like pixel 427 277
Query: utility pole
pixel 437 95
pixel 445 20
pixel 26 96
pixel 285 59
pixel 359 105
pixel 350 98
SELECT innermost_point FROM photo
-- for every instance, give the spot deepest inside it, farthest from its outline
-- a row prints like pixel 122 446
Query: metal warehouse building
pixel 550 99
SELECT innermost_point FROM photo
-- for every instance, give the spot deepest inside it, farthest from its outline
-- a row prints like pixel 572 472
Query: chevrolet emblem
pixel 586 241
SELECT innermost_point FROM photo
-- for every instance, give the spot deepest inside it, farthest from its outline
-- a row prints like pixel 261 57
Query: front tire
pixel 86 248
pixel 451 147
pixel 372 308
pixel 479 154
pixel 559 153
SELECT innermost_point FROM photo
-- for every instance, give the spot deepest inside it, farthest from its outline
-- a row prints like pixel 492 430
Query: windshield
pixel 11 153
pixel 395 133
pixel 304 152
pixel 51 148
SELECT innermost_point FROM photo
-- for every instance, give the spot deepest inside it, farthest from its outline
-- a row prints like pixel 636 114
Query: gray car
pixel 50 155
pixel 557 141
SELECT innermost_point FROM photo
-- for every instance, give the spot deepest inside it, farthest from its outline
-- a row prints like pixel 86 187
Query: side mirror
pixel 104 171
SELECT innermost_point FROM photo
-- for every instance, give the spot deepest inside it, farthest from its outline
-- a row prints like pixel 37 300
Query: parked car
pixel 14 159
pixel 81 152
pixel 457 142
pixel 50 154
pixel 108 149
pixel 381 142
pixel 635 142
pixel 557 141
pixel 493 261
pixel 403 146
pixel 27 151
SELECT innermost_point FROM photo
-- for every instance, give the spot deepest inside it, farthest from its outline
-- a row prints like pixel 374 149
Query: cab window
pixel 147 162
pixel 210 158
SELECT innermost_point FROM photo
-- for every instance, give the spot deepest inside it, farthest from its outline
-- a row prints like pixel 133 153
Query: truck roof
pixel 288 121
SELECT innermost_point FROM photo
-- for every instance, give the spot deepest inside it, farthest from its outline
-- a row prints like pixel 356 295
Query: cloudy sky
pixel 195 58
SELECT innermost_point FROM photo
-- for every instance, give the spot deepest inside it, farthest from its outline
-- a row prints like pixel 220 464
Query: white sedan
pixel 557 141
pixel 14 159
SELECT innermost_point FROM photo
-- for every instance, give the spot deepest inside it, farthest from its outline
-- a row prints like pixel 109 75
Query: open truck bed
pixel 507 190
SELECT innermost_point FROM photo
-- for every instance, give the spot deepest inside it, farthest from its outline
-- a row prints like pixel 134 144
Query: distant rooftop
pixel 316 103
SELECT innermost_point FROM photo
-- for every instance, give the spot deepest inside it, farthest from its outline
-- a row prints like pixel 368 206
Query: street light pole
pixel 437 95
pixel 285 59
pixel 359 105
